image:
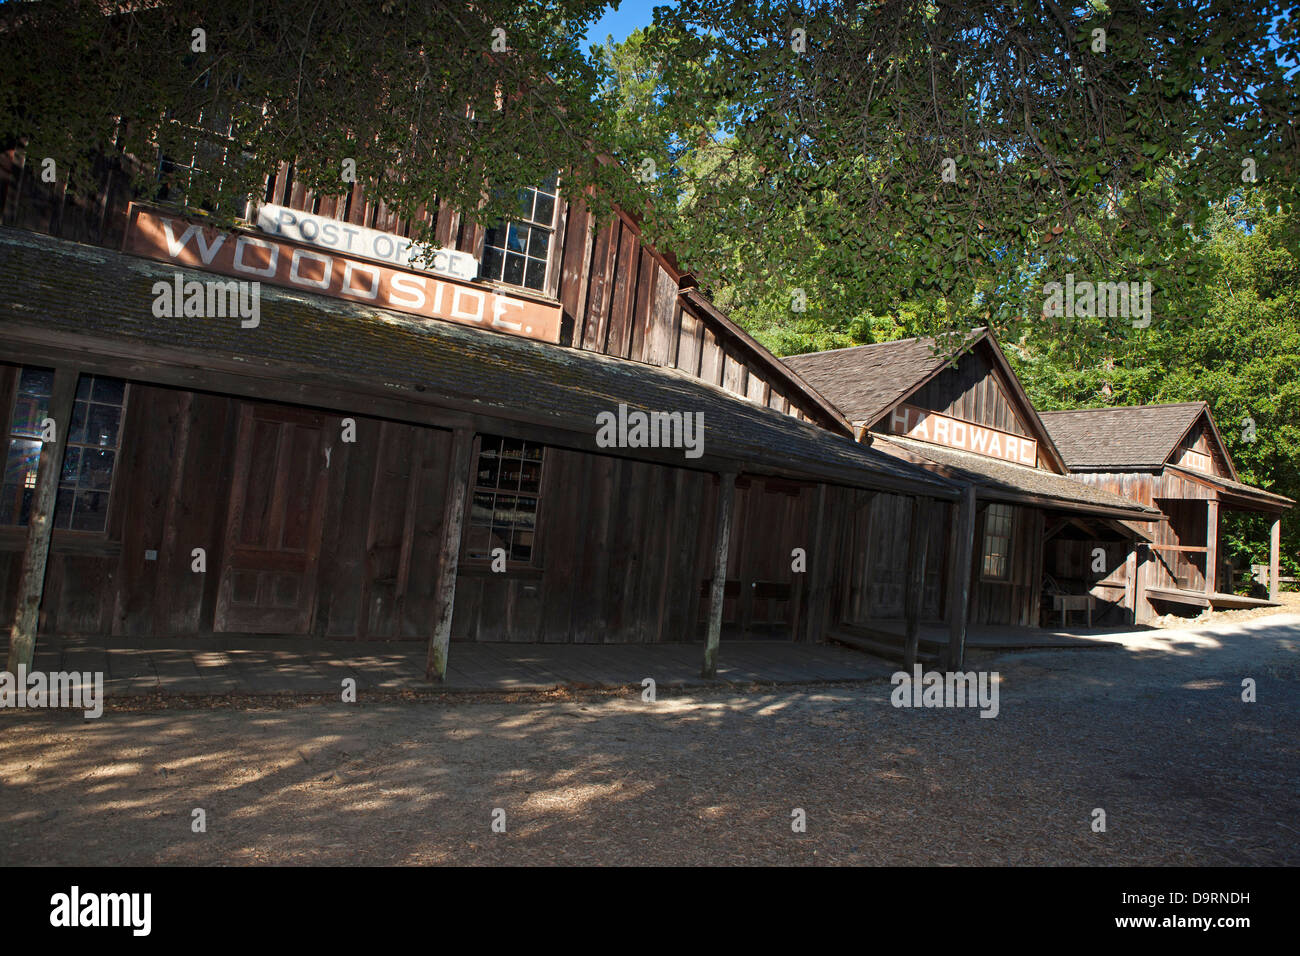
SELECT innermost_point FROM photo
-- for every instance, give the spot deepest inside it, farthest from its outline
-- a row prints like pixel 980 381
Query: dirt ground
pixel 1156 734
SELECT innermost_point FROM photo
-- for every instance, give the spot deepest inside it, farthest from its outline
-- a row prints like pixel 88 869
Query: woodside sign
pixel 939 429
pixel 157 235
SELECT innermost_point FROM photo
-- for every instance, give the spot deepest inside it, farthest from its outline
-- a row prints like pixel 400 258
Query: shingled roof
pixel 1120 438
pixel 1005 481
pixel 61 295
pixel 866 380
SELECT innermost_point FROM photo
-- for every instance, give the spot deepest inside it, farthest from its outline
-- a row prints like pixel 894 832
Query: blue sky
pixel 619 22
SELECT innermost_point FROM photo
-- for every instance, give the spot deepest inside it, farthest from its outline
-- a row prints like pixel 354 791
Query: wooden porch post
pixel 917 543
pixel 817 590
pixel 1274 555
pixel 1130 579
pixel 453 519
pixel 718 590
pixel 40 524
pixel 1211 546
pixel 959 583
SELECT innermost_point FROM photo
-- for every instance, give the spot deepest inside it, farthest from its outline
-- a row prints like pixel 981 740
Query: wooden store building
pixel 1096 516
pixel 372 450
pixel 1172 458
pixel 365 448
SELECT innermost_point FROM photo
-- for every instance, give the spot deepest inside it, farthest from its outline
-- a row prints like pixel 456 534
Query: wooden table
pixel 1073 602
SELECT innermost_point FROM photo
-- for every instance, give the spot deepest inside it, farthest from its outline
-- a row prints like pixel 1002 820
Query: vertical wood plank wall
pixel 624 545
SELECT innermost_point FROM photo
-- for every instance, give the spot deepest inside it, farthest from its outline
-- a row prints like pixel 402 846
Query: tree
pixel 464 104
pixel 959 153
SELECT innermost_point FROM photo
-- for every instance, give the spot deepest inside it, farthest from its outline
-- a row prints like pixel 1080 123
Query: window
pixel 998 521
pixel 518 252
pixel 507 485
pixel 93 440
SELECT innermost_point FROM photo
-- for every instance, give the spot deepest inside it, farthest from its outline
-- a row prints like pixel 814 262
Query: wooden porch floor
pixel 270 665
pixel 886 637
pixel 1218 600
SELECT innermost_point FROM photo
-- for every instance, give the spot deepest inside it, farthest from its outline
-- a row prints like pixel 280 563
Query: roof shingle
pixel 864 381
pixel 1123 437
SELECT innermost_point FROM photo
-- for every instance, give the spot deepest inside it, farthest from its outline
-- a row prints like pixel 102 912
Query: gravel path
pixel 1156 734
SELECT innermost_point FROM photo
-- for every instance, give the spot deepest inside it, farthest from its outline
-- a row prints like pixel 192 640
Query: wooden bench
pixel 769 592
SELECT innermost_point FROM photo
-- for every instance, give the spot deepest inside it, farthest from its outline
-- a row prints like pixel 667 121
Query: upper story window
pixel 518 252
pixel 86 483
pixel 998 522
pixel 507 490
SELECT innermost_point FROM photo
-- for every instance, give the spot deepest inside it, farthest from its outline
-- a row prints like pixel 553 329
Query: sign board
pixel 360 243
pixel 167 238
pixel 939 429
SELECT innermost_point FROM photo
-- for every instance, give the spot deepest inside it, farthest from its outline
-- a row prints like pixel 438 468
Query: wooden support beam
pixel 959 579
pixel 453 519
pixel 40 524
pixel 815 591
pixel 1130 581
pixel 717 593
pixel 1211 545
pixel 1274 563
pixel 917 543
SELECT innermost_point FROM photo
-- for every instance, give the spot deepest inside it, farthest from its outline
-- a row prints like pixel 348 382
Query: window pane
pixel 530 476
pixel 71 465
pixel 20 465
pixel 535 278
pixel 517 241
pixel 29 412
pixel 79 413
pixel 538 242
pixel 101 426
pixel 38 382
pixel 110 391
pixel 481 509
pixel 514 273
pixel 545 211
pixel 96 469
pixel 493 263
pixel 90 511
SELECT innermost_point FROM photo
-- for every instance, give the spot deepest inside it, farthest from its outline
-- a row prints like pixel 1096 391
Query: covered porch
pixel 1189 574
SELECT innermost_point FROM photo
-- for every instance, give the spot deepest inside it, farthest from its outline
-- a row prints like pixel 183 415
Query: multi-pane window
pixel 93 439
pixel 998 521
pixel 504 509
pixel 519 251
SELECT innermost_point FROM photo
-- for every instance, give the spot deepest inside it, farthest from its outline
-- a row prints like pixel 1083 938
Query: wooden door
pixel 273 529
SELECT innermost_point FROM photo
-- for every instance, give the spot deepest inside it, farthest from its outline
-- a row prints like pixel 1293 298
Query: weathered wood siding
pixel 876 564
pixel 1017 600
pixel 624 546
pixel 619 296
pixel 974 392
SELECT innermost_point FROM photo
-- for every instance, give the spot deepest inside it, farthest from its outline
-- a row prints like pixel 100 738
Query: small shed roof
pixel 1237 494
pixel 1121 437
pixel 60 294
pixel 865 381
